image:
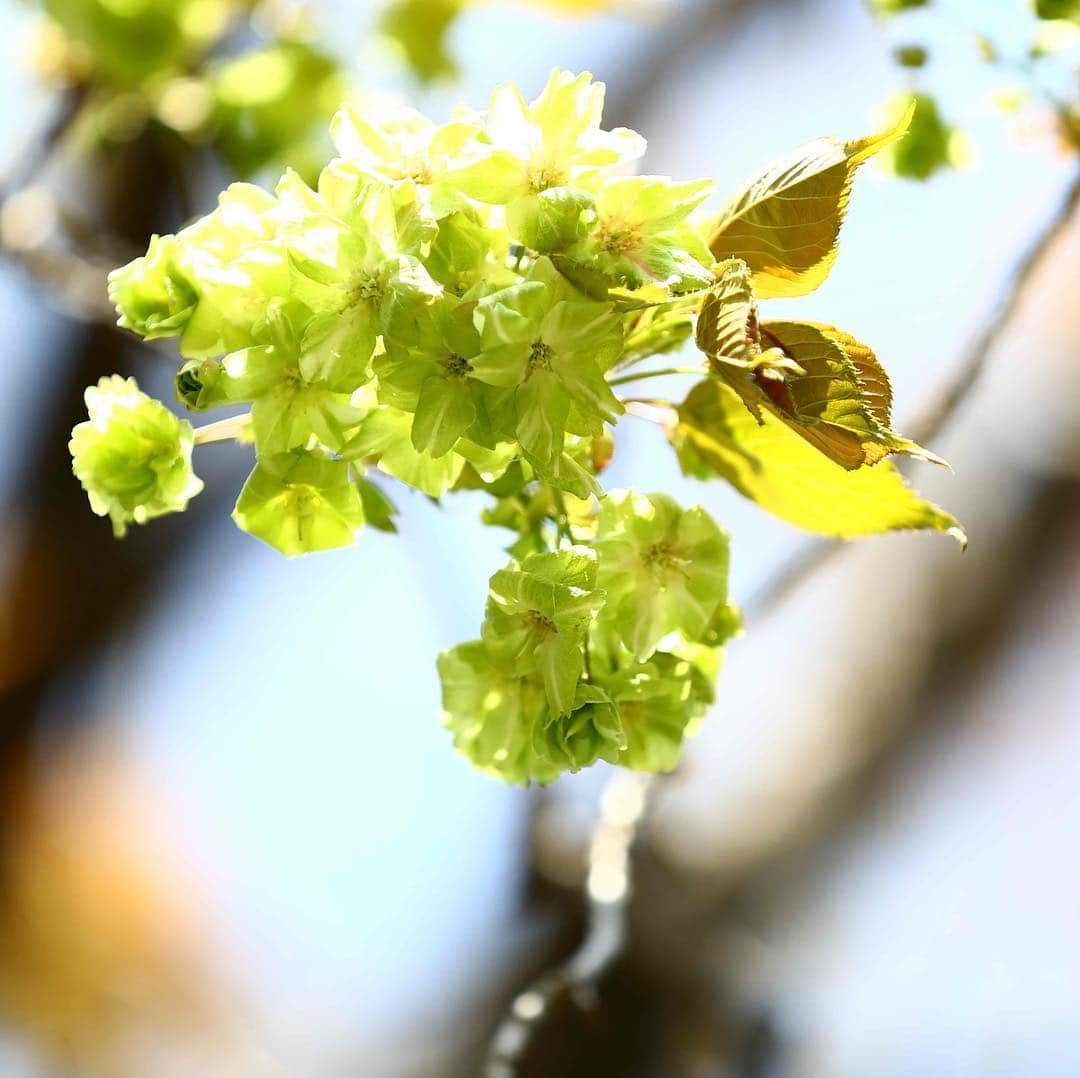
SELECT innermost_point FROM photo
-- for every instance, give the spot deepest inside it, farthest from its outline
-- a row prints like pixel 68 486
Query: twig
pixel 661 372
pixel 234 428
pixel 608 894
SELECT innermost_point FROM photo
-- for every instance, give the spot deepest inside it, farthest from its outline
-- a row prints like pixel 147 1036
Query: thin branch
pixel 44 144
pixel 607 892
pixel 662 372
pixel 235 428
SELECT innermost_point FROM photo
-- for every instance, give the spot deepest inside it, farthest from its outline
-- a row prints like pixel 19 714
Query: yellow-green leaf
pixel 727 326
pixel 840 400
pixel 784 224
pixel 771 465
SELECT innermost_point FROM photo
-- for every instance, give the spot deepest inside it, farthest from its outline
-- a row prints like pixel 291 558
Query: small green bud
pixel 910 55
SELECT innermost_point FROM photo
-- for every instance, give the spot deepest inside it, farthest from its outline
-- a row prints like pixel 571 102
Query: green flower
pixel 538 614
pixel 298 391
pixel 349 272
pixel 553 348
pixel 467 252
pixel 657 702
pixel 432 378
pixel 491 710
pixel 133 456
pixel 547 158
pixel 152 294
pixel 501 720
pixel 300 502
pixel 397 145
pixel 664 569
pixel 210 283
pixel 640 235
pixel 592 731
pixel 385 437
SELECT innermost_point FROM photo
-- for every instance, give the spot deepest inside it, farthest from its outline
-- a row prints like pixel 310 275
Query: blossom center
pixel 368 288
pixel 544 175
pixel 539 358
pixel 616 236
pixel 537 622
pixel 661 555
pixel 457 366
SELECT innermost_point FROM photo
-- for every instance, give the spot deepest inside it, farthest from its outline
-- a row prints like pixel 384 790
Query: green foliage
pixel 128 42
pixel 766 461
pixel 894 7
pixel 928 146
pixel 456 307
pixel 299 502
pixel 1058 9
pixel 1042 58
pixel 271 104
pixel 419 29
pixel 174 64
pixel 912 56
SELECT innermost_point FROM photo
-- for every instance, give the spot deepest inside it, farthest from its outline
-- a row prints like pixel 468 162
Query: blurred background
pixel 234 839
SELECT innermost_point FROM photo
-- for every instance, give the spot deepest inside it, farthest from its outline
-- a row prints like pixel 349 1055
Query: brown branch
pixel 44 144
pixel 73 279
pixel 607 891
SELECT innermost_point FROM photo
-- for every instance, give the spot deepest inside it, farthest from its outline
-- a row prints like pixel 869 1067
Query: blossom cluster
pixel 456 306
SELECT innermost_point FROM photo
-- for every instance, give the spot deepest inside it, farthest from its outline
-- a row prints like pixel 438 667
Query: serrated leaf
pixel 727 327
pixel 784 224
pixel 770 464
pixel 839 400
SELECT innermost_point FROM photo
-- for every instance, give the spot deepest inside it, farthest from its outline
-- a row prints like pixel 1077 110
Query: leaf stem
pixel 235 428
pixel 562 517
pixel 622 380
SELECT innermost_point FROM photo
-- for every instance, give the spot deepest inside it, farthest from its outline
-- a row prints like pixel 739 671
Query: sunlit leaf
pixel 770 464
pixel 727 327
pixel 840 400
pixel 785 223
